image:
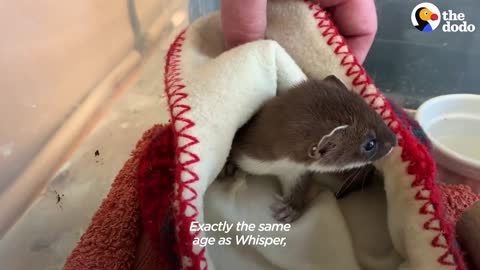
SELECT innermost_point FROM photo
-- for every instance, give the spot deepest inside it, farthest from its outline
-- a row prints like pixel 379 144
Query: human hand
pixel 246 20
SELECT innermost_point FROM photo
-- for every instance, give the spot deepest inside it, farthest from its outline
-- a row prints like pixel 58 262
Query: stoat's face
pixel 352 146
pixel 353 134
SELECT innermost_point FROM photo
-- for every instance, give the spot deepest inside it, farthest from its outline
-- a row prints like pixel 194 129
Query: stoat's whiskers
pixel 348 182
pixel 364 176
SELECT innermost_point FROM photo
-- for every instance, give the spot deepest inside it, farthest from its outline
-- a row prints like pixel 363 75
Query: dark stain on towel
pixel 97 155
pixel 59 196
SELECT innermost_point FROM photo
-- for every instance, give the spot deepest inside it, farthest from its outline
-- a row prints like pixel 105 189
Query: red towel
pixel 115 238
pixel 456 199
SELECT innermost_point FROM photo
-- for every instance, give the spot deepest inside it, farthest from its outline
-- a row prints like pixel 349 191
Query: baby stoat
pixel 316 126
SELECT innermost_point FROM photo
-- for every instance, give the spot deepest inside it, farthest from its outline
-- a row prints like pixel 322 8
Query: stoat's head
pixel 351 134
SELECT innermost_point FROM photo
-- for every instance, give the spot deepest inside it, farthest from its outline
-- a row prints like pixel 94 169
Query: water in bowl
pixel 464 144
pixel 460 133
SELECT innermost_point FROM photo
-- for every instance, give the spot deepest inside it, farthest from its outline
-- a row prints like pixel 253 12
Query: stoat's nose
pixel 389 151
pixel 390 145
pixel 395 141
pixel 392 141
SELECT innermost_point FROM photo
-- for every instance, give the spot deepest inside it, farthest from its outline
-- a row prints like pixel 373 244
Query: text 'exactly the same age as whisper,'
pixel 244 234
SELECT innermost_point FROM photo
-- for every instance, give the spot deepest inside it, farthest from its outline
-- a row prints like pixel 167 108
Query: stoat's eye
pixel 370 145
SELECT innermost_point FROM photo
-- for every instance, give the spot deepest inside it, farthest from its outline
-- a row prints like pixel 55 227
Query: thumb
pixel 243 20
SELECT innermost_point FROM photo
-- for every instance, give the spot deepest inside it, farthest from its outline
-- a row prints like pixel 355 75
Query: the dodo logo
pixel 426 17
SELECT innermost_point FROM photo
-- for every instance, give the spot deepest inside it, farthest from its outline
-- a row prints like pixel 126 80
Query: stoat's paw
pixel 284 212
pixel 228 170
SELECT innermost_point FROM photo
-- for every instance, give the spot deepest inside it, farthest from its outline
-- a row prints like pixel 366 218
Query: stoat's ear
pixel 326 144
pixel 335 81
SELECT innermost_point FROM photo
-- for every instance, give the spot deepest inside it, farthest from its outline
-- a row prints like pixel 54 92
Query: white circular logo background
pixel 433 8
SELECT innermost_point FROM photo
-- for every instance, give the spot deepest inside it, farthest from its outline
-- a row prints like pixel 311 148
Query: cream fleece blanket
pixel 212 93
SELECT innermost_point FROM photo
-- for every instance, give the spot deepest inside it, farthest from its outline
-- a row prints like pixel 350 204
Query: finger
pixel 360 46
pixel 243 20
pixel 356 20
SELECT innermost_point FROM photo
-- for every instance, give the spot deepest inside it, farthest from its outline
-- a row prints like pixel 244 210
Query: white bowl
pixel 452 123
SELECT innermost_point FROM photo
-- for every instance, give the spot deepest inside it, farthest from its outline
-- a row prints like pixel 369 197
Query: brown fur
pixel 288 125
